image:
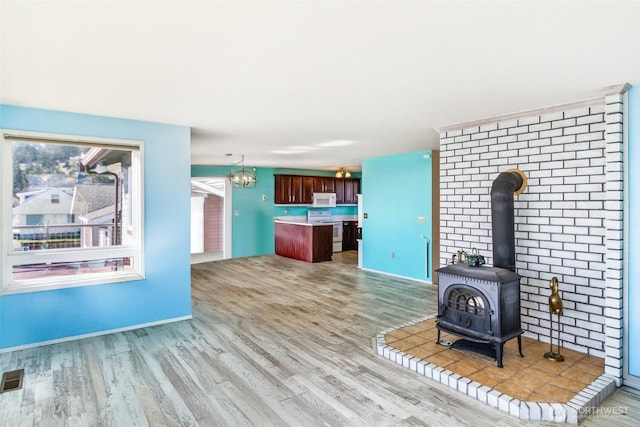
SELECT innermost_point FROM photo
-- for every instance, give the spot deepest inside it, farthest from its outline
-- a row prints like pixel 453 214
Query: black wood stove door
pixel 466 307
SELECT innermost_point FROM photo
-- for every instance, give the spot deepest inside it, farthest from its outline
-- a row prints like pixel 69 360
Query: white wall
pixel 197 224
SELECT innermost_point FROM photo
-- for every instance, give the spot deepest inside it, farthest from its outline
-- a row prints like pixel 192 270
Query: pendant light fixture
pixel 343 173
pixel 243 178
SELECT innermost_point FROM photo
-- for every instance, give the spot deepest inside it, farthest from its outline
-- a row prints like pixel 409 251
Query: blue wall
pixel 633 236
pixel 165 293
pixel 252 224
pixel 398 190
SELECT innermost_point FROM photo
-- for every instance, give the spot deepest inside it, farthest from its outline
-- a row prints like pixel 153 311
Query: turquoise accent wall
pixel 165 293
pixel 252 224
pixel 397 190
pixel 633 275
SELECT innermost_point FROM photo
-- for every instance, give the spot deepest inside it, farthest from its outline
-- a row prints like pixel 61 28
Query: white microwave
pixel 324 200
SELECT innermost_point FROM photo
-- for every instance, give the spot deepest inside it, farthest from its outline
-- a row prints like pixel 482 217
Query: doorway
pixel 210 219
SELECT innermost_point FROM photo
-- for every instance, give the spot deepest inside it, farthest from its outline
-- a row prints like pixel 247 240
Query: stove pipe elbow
pixel 502 217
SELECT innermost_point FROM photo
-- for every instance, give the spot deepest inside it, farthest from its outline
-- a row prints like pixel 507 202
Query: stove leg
pixel 438 339
pixel 520 346
pixel 499 354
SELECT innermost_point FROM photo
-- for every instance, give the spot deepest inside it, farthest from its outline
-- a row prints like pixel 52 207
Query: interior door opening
pixel 210 221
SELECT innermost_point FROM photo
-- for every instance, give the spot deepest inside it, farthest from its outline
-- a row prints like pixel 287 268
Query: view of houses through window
pixel 72 212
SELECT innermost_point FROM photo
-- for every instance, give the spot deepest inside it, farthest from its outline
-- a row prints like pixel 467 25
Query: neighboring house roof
pixel 41 202
pixel 26 195
pixel 89 198
pixel 98 216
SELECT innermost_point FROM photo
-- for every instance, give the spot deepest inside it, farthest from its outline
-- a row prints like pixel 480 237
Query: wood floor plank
pixel 273 342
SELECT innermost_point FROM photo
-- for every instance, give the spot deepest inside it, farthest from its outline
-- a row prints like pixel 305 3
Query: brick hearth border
pixel 573 411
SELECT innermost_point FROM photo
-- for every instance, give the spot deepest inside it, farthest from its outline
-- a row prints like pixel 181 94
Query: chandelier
pixel 242 178
pixel 343 173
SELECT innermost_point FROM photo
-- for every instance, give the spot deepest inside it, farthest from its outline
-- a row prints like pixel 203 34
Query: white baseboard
pixel 94 334
pixel 396 275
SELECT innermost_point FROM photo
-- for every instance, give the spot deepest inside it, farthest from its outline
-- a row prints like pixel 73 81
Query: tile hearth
pixel 530 387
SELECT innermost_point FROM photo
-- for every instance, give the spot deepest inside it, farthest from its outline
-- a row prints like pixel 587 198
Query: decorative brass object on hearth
pixel 555 306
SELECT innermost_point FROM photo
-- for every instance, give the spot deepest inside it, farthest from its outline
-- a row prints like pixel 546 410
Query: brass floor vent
pixel 12 380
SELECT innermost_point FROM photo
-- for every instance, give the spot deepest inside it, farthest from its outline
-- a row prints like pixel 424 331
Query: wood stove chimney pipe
pixel 508 183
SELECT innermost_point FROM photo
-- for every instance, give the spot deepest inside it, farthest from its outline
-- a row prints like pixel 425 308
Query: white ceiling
pixel 280 82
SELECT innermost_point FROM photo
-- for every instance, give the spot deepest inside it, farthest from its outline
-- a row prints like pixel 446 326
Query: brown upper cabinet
pixel 347 190
pixel 324 184
pixel 293 189
pixel 298 190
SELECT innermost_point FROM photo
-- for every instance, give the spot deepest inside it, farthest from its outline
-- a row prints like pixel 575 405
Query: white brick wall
pixel 568 222
pixel 614 234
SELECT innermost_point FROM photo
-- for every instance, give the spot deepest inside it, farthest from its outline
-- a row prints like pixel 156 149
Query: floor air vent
pixel 12 380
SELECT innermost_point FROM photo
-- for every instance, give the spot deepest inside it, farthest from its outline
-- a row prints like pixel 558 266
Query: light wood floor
pixel 273 341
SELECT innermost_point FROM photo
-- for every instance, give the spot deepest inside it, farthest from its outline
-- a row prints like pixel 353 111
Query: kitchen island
pixel 310 242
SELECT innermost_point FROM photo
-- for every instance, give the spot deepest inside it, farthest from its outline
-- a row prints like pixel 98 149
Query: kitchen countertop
pixel 302 220
pixel 297 222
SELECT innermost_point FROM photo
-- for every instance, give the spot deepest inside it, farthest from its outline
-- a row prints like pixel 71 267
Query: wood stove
pixel 481 305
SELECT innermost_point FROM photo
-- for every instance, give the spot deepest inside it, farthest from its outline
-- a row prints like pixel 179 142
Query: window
pixel 75 212
pixel 35 219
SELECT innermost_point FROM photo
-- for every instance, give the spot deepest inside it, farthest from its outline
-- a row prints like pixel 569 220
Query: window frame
pixel 11 258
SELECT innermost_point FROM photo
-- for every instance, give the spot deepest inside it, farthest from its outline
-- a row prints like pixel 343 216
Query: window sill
pixel 51 285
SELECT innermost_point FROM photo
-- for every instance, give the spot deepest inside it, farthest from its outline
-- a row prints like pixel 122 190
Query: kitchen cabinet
pixel 282 189
pixel 347 190
pixel 324 184
pixel 349 235
pixel 304 242
pixel 298 190
pixel 293 189
pixel 306 184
